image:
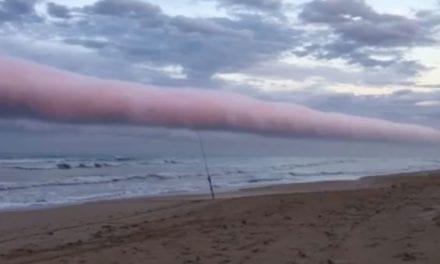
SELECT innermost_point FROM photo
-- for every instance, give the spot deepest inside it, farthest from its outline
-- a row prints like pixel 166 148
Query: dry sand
pixel 393 219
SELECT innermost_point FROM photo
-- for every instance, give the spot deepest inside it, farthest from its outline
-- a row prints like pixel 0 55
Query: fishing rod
pixel 208 175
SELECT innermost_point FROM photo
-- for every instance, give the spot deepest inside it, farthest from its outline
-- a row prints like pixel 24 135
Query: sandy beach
pixel 387 219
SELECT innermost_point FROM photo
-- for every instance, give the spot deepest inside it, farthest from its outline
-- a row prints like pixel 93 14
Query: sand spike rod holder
pixel 208 175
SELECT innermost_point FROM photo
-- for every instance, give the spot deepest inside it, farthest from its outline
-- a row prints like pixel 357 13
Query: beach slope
pixel 389 219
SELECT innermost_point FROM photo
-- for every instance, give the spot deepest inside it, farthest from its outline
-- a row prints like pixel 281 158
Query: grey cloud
pixel 76 60
pixel 58 11
pixel 356 21
pixel 279 70
pixel 431 86
pixel 88 43
pixel 335 11
pixel 400 106
pixel 139 32
pixel 384 59
pixel 18 11
pixel 130 8
pixel 206 27
pixel 357 33
pixel 395 74
pixel 134 40
pixel 388 31
pixel 269 6
pixel 430 18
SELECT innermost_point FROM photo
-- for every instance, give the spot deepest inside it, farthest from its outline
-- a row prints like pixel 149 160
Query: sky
pixel 377 59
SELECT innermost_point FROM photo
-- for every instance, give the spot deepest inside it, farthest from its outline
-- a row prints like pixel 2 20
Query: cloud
pixel 334 43
pixel 274 7
pixel 38 91
pixel 401 106
pixel 58 11
pixel 140 32
pixel 141 35
pixel 126 8
pixel 354 20
pixel 18 11
pixel 363 36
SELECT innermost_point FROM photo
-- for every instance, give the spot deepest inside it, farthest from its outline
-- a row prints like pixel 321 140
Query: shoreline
pixel 298 187
pixel 376 219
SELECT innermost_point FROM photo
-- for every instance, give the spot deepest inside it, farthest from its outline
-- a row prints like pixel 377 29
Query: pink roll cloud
pixel 43 92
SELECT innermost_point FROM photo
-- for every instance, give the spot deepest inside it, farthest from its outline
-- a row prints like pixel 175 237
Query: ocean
pixel 34 181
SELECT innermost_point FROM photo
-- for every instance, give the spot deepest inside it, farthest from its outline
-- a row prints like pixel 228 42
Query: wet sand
pixel 387 219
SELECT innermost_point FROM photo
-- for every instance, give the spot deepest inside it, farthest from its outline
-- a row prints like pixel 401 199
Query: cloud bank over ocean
pixel 37 91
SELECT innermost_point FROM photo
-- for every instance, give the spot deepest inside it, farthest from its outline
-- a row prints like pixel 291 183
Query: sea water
pixel 29 181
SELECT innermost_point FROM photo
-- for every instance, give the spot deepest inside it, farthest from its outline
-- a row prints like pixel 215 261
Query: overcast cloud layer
pixel 334 55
